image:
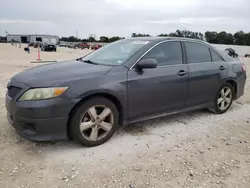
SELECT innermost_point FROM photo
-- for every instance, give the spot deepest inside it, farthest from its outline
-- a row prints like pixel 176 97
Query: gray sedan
pixel 124 82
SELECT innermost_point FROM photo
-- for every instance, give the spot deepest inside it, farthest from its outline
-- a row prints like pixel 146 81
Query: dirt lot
pixel 196 149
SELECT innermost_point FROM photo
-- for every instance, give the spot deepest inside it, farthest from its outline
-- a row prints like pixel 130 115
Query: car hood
pixel 50 74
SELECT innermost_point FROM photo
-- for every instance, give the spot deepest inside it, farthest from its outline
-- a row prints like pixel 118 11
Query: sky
pixel 84 18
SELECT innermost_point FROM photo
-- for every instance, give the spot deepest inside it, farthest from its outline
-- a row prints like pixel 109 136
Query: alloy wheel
pixel 96 122
pixel 225 98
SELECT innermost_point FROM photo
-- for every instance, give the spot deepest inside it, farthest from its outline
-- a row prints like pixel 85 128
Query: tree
pixel 185 34
pixel 247 38
pixel 225 38
pixel 173 35
pixel 113 39
pixel 163 35
pixel 91 39
pixel 104 39
pixel 73 39
pixel 84 40
pixel 70 39
pixel 180 33
pixel 133 35
pixel 211 37
pixel 240 38
pixel 139 35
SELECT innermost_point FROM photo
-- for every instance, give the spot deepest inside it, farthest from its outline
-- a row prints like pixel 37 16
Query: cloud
pixel 119 17
pixel 7 21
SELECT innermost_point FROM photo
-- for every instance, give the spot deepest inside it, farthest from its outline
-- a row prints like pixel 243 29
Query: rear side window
pixel 166 53
pixel 215 57
pixel 197 53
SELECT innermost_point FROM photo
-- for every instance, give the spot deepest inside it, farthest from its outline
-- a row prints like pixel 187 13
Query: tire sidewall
pixel 75 132
pixel 216 108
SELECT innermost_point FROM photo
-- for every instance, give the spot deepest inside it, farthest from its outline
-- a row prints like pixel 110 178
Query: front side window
pixel 166 53
pixel 197 53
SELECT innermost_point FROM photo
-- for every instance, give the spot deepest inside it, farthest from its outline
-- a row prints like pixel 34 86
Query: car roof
pixel 159 39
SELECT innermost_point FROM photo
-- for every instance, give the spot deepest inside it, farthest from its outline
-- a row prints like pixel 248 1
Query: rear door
pixel 206 72
pixel 164 88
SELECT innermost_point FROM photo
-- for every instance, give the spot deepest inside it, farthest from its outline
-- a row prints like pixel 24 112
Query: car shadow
pixel 136 129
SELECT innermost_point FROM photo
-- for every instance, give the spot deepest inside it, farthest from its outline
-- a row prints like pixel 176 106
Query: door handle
pixel 222 68
pixel 182 73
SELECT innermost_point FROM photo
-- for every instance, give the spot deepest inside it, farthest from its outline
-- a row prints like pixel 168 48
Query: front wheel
pixel 223 99
pixel 94 122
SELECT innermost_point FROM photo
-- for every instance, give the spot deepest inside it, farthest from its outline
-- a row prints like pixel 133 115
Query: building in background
pixel 32 38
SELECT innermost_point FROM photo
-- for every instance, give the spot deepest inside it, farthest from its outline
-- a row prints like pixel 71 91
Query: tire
pixel 82 115
pixel 218 105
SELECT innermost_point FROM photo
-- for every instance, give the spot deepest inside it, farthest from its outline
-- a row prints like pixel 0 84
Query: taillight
pixel 243 68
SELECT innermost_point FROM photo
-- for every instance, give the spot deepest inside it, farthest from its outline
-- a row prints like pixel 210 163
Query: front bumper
pixel 43 120
pixel 40 129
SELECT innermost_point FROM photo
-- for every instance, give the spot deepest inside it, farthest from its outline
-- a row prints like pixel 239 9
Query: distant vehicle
pixel 62 45
pixel 128 81
pixel 38 44
pixel 46 46
pixel 3 39
pixel 231 52
pixel 247 55
pixel 96 46
pixel 32 44
pixel 83 45
pixel 71 46
pixel 75 46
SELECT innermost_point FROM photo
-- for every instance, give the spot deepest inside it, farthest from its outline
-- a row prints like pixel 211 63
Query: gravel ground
pixel 195 149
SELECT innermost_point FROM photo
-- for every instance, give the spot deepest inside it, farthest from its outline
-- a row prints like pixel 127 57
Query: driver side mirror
pixel 146 64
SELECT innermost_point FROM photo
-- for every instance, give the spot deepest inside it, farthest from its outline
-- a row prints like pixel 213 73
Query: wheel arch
pixel 104 94
pixel 233 83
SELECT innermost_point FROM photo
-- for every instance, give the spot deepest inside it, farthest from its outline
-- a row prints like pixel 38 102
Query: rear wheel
pixel 223 99
pixel 94 122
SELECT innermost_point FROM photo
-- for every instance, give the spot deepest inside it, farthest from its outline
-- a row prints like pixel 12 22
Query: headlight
pixel 42 93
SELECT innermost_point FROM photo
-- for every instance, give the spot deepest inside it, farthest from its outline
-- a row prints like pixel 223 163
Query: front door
pixel 206 72
pixel 164 88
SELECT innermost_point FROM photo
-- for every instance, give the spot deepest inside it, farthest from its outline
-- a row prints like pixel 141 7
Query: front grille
pixel 13 91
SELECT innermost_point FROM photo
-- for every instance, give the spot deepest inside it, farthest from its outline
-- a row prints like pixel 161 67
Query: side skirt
pixel 144 118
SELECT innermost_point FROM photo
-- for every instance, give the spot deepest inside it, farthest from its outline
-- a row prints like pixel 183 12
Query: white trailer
pixel 32 38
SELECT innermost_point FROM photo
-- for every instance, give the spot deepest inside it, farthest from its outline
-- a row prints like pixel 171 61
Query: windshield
pixel 116 53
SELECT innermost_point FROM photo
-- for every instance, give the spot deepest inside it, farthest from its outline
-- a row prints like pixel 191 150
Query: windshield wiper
pixel 90 62
pixel 79 59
